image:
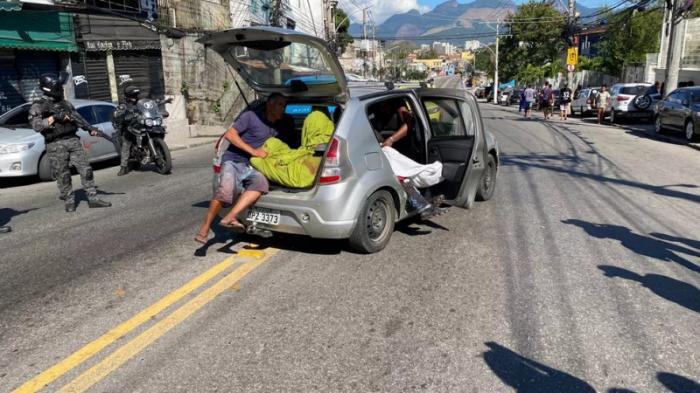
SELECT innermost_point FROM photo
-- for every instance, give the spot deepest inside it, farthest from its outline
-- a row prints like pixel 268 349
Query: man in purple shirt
pixel 247 135
pixel 547 101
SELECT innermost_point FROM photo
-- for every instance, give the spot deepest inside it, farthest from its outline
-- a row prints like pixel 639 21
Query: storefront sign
pixel 120 45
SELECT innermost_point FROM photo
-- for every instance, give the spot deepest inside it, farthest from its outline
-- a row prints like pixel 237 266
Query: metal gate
pixel 32 64
pixel 97 76
pixel 144 68
pixel 10 95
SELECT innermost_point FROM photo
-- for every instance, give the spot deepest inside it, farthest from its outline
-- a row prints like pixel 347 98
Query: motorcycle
pixel 148 133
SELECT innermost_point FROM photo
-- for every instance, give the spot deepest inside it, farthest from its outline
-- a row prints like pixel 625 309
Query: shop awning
pixel 37 31
pixel 10 5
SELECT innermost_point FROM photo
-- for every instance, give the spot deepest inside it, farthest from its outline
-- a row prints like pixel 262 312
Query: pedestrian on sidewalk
pixel 602 101
pixel 547 101
pixel 564 102
pixel 240 184
pixel 521 105
pixel 529 100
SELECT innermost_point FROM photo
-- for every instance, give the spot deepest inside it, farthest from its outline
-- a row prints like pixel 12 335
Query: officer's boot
pixel 123 171
pixel 93 203
pixel 70 207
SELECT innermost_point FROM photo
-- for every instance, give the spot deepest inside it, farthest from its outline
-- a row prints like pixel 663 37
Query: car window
pixel 469 118
pixel 682 97
pixel 695 97
pixel 86 112
pixel 19 117
pixel 103 113
pixel 634 90
pixel 444 117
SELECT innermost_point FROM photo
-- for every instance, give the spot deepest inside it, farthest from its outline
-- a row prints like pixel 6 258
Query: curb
pixel 177 147
pixel 663 138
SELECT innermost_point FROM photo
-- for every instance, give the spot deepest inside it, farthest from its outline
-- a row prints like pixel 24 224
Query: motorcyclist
pixel 123 116
pixel 56 119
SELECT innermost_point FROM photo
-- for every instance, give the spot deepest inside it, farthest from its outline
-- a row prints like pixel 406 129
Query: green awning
pixel 37 31
pixel 10 5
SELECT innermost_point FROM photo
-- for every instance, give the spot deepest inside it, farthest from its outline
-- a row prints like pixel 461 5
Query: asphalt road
pixel 581 275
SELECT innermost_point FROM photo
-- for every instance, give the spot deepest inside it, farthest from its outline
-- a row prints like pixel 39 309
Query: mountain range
pixel 450 21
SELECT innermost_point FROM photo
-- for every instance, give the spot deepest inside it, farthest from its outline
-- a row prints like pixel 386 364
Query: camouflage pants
pixel 64 153
pixel 126 148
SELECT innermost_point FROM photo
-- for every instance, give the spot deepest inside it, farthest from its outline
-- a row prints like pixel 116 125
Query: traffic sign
pixel 572 56
pixel 570 67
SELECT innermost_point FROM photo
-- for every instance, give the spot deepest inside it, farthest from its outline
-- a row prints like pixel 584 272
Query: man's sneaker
pixel 70 207
pixel 98 203
pixel 432 212
pixel 123 171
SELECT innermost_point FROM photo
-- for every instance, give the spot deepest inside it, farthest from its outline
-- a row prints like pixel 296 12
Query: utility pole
pixel 495 72
pixel 673 54
pixel 571 19
pixel 364 42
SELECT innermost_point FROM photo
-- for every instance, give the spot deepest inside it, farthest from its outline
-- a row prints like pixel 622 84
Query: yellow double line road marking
pixel 124 353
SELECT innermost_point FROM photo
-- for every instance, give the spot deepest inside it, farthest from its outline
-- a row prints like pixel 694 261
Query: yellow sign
pixel 572 56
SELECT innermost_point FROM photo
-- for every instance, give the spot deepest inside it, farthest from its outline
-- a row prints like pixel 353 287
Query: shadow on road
pixel 643 245
pixel 676 291
pixel 528 376
pixel 678 384
pixel 528 161
pixel 6 214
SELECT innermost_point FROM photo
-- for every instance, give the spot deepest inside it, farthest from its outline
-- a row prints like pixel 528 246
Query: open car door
pixel 456 140
pixel 289 62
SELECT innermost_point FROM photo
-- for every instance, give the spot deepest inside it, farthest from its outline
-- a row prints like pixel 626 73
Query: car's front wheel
pixel 375 224
pixel 658 125
pixel 44 169
pixel 613 118
pixel 690 131
pixel 487 184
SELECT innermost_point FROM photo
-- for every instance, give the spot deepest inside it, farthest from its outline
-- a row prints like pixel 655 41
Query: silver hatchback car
pixel 356 195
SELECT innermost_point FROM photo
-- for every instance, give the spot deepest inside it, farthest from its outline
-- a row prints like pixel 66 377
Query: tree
pixel 483 59
pixel 631 34
pixel 342 24
pixel 535 38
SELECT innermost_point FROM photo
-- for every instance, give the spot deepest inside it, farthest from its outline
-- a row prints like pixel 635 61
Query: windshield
pixel 634 90
pixel 281 66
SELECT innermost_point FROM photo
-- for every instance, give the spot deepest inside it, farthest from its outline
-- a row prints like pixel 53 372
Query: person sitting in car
pixel 394 115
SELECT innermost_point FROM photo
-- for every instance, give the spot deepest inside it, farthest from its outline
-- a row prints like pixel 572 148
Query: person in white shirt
pixel 529 100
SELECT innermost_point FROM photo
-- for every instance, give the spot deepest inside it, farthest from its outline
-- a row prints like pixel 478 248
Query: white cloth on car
pixel 420 175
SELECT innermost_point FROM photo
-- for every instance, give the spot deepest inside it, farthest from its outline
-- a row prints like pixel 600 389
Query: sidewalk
pixel 639 129
pixel 188 143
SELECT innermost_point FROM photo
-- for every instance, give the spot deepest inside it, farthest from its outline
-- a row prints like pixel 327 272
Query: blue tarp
pixel 507 85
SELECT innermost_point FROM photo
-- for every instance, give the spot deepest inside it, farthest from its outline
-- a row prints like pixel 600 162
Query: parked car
pixel 585 103
pixel 356 195
pixel 680 111
pixel 508 97
pixel 23 152
pixel 632 100
pixel 514 97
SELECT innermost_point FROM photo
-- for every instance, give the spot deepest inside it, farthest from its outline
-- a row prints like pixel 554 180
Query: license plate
pixel 264 216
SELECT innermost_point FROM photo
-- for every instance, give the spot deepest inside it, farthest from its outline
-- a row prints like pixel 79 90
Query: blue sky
pixel 587 3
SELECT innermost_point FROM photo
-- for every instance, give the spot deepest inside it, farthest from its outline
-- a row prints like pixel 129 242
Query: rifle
pixel 60 111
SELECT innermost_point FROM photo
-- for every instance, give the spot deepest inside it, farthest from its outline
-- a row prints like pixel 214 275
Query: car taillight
pixel 621 98
pixel 331 166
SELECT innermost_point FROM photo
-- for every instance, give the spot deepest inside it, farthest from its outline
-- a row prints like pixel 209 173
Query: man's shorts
pixel 545 104
pixel 564 107
pixel 236 177
pixel 528 104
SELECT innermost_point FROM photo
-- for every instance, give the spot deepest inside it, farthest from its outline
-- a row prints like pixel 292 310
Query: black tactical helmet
pixel 51 86
pixel 131 92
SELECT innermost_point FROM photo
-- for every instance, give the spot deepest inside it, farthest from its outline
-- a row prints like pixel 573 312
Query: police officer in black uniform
pixel 123 116
pixel 53 117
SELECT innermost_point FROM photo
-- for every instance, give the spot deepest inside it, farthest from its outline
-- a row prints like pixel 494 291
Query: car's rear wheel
pixel 487 184
pixel 375 223
pixel 690 131
pixel 44 170
pixel 658 125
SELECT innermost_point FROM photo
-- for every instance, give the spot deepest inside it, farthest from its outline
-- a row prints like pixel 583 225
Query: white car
pixel 632 100
pixel 584 104
pixel 23 152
